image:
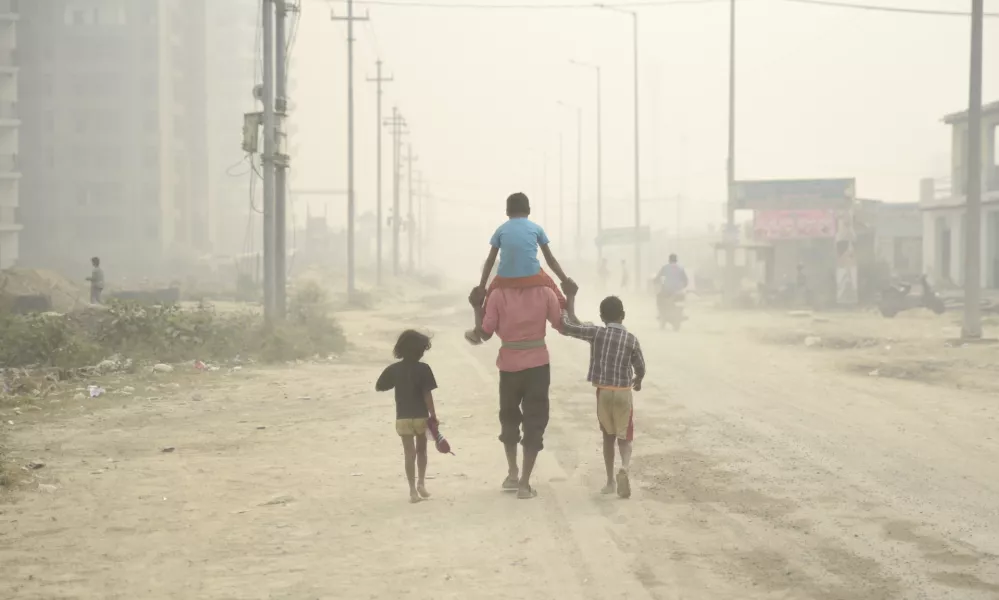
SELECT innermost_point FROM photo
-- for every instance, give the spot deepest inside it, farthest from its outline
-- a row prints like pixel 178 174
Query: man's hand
pixel 569 288
pixel 637 386
pixel 477 296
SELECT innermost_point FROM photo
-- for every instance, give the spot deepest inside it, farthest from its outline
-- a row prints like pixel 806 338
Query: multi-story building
pixel 943 203
pixel 233 65
pixel 113 107
pixel 10 227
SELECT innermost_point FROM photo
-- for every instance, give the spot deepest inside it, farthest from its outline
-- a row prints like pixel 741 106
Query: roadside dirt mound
pixel 64 294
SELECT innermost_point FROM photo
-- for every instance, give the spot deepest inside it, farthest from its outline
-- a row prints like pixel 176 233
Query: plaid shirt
pixel 614 353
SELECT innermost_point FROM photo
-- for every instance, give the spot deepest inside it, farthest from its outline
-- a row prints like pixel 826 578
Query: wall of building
pixel 232 68
pixel 112 102
pixel 943 269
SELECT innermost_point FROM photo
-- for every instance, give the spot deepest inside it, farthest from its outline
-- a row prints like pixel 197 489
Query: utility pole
pixel 638 203
pixel 267 159
pixel 351 208
pixel 396 123
pixel 379 80
pixel 561 195
pixel 410 218
pixel 730 237
pixel 579 185
pixel 972 328
pixel 280 160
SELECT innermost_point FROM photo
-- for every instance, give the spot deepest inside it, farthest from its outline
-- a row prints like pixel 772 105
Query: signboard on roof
pixel 795 194
pixel 794 224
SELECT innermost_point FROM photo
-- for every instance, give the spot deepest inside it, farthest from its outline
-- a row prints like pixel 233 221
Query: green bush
pixel 169 333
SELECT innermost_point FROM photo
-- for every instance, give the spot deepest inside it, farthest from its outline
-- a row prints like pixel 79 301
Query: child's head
pixel 411 345
pixel 95 261
pixel 517 205
pixel 612 310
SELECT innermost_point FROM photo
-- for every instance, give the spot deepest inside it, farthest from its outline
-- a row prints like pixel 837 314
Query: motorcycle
pixel 670 309
pixel 897 298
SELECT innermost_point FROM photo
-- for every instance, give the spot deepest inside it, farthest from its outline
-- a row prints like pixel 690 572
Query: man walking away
pixel 96 280
pixel 518 317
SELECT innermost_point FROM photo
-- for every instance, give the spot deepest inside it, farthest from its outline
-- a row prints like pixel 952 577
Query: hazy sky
pixel 822 92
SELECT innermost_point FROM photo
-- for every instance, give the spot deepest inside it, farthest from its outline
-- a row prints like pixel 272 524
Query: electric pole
pixel 351 208
pixel 561 196
pixel 730 237
pixel 267 159
pixel 378 81
pixel 972 328
pixel 396 123
pixel 579 185
pixel 281 160
pixel 410 219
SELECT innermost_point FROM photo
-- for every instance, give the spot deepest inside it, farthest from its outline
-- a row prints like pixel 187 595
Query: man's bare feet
pixel 414 497
pixel 623 484
pixel 422 491
pixel 610 488
pixel 526 492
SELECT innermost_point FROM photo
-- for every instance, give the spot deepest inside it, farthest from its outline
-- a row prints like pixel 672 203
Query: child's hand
pixel 637 386
pixel 569 287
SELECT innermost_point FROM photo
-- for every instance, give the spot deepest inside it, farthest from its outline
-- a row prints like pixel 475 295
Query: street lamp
pixel 600 212
pixel 730 239
pixel 638 212
pixel 579 177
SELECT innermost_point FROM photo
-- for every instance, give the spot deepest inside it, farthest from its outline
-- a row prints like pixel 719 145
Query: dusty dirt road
pixel 761 472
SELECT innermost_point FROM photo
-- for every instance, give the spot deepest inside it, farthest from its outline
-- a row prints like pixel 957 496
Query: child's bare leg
pixel 409 450
pixel 421 465
pixel 609 440
pixel 623 480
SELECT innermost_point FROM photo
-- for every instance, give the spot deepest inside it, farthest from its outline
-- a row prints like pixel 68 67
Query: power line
pixel 532 6
pixel 647 4
pixel 891 9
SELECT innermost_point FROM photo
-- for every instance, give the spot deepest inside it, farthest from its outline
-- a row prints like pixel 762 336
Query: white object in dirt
pixel 812 340
pixel 46 487
pixel 162 368
pixel 95 391
pixel 127 390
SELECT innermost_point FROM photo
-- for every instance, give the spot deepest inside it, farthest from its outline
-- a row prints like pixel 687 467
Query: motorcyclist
pixel 672 278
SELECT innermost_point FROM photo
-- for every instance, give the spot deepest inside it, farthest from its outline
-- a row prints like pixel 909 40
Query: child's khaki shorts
pixel 411 426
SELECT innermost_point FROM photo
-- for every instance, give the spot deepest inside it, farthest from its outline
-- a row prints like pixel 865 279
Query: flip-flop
pixel 527 494
pixel 473 338
pixel 511 484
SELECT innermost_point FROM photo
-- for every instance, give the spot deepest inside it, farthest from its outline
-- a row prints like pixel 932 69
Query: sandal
pixel 511 484
pixel 526 493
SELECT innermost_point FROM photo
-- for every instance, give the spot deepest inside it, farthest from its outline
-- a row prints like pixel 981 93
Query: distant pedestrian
pixel 96 280
pixel 616 368
pixel 414 383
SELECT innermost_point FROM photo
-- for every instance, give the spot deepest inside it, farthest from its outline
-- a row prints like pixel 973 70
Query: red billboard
pixel 794 224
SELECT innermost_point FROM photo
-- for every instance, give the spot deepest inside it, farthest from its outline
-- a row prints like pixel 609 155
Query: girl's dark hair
pixel 411 345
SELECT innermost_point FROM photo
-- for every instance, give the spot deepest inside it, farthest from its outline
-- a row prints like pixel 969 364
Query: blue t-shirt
pixel 518 240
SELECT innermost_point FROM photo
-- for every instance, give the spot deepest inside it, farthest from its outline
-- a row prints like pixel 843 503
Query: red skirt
pixel 542 279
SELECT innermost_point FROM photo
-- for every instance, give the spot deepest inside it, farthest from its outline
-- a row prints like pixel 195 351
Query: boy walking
pixel 616 368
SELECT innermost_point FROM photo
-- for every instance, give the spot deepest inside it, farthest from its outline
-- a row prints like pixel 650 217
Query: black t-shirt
pixel 410 380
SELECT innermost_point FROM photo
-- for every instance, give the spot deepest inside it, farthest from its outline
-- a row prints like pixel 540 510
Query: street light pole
pixel 638 200
pixel 600 186
pixel 972 328
pixel 579 185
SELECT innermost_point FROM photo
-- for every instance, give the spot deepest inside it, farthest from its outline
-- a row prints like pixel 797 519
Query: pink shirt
pixel 519 315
